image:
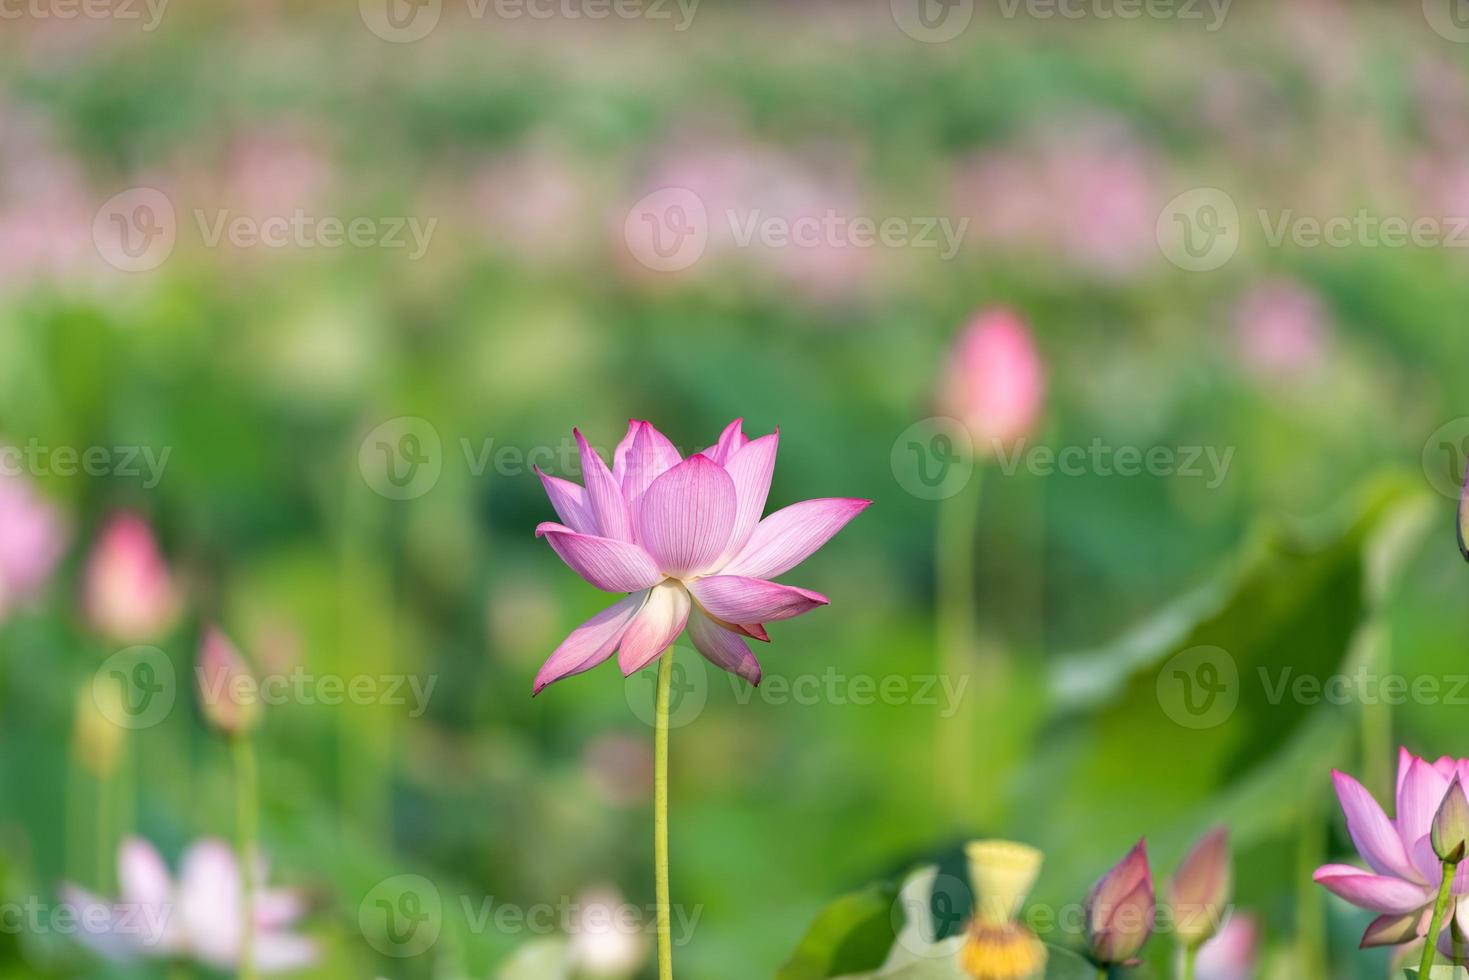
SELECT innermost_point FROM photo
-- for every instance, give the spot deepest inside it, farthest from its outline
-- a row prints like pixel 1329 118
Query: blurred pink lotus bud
pixel 1282 330
pixel 1232 954
pixel 227 691
pixel 128 593
pixel 1120 910
pixel 995 382
pixel 1201 888
pixel 32 539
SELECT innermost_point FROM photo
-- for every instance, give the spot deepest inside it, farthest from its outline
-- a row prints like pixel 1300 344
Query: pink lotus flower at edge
pixel 1404 874
pixel 195 917
pixel 128 593
pixel 684 538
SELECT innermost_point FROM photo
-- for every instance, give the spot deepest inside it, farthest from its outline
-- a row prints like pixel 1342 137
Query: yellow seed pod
pixel 96 738
pixel 1002 873
pixel 1004 952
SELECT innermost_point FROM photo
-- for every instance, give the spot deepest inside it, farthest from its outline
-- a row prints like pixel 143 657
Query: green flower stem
pixel 1190 959
pixel 660 817
pixel 247 778
pixel 1436 923
pixel 956 526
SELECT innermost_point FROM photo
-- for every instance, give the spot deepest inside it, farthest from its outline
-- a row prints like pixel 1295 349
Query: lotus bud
pixel 1120 910
pixel 1201 889
pixel 128 594
pixel 1233 953
pixel 96 738
pixel 227 692
pixel 1450 831
pixel 997 947
pixel 995 381
pixel 1463 523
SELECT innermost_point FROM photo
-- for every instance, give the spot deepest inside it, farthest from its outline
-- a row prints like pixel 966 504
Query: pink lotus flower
pixel 128 593
pixel 1404 872
pixel 684 538
pixel 32 540
pixel 1232 954
pixel 226 685
pixel 995 381
pixel 196 917
pixel 1120 910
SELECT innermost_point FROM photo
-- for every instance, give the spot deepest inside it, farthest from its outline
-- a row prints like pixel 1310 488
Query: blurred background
pixel 293 295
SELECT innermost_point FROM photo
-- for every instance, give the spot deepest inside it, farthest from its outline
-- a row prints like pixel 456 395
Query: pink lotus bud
pixel 227 689
pixel 1450 831
pixel 32 539
pixel 1120 910
pixel 1201 888
pixel 995 382
pixel 128 593
pixel 1231 955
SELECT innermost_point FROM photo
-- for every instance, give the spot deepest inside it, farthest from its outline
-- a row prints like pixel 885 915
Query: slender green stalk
pixel 956 527
pixel 1190 960
pixel 105 863
pixel 1310 906
pixel 1436 923
pixel 660 818
pixel 247 778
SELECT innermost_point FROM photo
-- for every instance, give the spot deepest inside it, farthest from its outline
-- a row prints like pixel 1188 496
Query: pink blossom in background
pixel 685 539
pixel 275 170
pixel 994 381
pixel 534 203
pixel 608 938
pixel 128 593
pixel 1086 191
pixel 1233 954
pixel 1403 872
pixel 196 917
pixel 1282 330
pixel 32 540
pixel 619 769
pixel 46 210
